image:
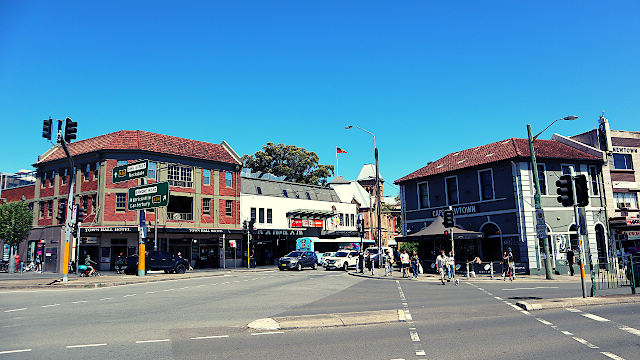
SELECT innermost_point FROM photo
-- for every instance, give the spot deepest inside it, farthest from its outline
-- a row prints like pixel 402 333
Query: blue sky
pixel 426 77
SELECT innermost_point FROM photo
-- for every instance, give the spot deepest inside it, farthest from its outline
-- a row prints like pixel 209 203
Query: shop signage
pixel 457 210
pixel 232 243
pixel 307 223
pixel 633 235
pixel 88 240
pixel 196 230
pixel 633 221
pixel 130 171
pixel 278 232
pixel 110 229
pixel 624 150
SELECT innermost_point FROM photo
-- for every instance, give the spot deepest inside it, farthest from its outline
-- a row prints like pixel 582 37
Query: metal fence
pixel 616 272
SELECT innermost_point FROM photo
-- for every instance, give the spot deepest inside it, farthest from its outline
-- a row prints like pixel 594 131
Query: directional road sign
pixel 148 196
pixel 130 171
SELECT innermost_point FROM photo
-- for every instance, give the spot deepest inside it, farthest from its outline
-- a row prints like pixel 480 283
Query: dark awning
pixel 311 213
pixel 435 231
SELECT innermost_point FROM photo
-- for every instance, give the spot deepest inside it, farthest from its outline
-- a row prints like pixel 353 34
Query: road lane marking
pixel 414 336
pixel 515 307
pixel 585 342
pixel 200 286
pixel 45 306
pixel 106 299
pixel 595 317
pixel 79 302
pixel 268 333
pixel 573 310
pixel 14 351
pixel 630 330
pixel 613 356
pixel 544 321
pixel 210 337
pixel 150 292
pixel 151 341
pixel 526 312
pixel 566 332
pixel 83 346
pixel 130 295
pixel 532 288
pixel 169 289
pixel 498 298
pixel 12 310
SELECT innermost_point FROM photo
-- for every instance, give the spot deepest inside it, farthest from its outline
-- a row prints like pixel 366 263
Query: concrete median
pixel 326 320
pixel 559 303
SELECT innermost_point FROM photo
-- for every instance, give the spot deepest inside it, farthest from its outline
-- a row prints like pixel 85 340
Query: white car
pixel 323 256
pixel 343 259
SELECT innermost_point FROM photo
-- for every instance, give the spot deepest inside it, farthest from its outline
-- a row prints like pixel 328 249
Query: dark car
pixel 158 260
pixel 298 260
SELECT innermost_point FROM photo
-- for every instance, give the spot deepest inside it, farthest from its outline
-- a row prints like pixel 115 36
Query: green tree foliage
pixel 294 163
pixel 15 222
pixel 409 246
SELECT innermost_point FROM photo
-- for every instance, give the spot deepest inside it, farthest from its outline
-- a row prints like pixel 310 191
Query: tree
pixel 15 223
pixel 294 163
pixel 409 246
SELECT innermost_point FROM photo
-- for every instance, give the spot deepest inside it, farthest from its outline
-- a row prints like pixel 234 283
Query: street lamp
pixel 378 210
pixel 536 197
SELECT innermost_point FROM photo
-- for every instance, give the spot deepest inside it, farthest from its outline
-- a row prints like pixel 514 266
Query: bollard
pixel 467 270
pixel 491 269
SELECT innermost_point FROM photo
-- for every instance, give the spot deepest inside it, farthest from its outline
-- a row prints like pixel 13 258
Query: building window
pixel 259 190
pixel 228 209
pixel 41 206
pixel 341 217
pixel 566 169
pixel 451 184
pixel 87 170
pixel 228 179
pixel 485 179
pixel 269 216
pixel 95 170
pixel 151 171
pixel 626 200
pixel 52 180
pixel 622 162
pixel 121 202
pixel 308 196
pixel 122 162
pixel 180 176
pixel 85 203
pixel 253 214
pixel 206 206
pixel 206 177
pixel 50 208
pixel 352 220
pixel 64 174
pixel 542 179
pixel 593 178
pixel 423 195
pixel 94 202
pixel 43 181
pixel 284 192
pixel 261 216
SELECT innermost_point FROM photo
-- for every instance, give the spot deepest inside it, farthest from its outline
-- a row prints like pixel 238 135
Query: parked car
pixel 158 260
pixel 323 257
pixel 298 260
pixel 343 259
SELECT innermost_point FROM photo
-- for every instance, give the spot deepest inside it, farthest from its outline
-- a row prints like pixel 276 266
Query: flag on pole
pixel 340 151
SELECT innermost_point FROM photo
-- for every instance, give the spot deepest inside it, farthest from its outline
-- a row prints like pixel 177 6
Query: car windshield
pixel 372 251
pixel 295 254
pixel 341 254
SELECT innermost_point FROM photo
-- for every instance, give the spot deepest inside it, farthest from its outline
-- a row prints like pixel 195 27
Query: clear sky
pixel 426 77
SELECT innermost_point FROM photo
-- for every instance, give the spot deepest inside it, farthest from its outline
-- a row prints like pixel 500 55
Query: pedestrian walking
pixel 404 261
pixel 570 256
pixel 511 265
pixel 388 264
pixel 361 261
pixel 505 265
pixel 441 265
pixel 415 262
pixel 451 266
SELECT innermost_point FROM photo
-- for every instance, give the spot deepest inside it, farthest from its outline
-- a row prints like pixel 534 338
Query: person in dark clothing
pixel 570 256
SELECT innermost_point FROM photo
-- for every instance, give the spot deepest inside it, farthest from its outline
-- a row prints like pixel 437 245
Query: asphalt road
pixel 206 318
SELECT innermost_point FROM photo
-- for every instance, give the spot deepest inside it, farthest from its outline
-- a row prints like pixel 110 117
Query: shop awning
pixel 435 231
pixel 309 213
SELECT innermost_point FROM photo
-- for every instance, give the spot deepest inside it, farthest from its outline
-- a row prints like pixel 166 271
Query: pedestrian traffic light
pixel 70 130
pixel 251 224
pixel 46 129
pixel 565 190
pixel 361 227
pixel 448 219
pixel 80 214
pixel 582 191
pixel 74 230
pixel 60 216
pixel 245 226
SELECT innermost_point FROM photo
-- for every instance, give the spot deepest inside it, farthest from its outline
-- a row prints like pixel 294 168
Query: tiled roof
pixel 145 141
pixel 626 142
pixel 498 151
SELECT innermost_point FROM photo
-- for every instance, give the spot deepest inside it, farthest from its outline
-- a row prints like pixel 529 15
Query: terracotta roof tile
pixel 498 151
pixel 145 141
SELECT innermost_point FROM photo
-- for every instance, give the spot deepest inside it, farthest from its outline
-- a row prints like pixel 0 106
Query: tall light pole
pixel 378 209
pixel 536 197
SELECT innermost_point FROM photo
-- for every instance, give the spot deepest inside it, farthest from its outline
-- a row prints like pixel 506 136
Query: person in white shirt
pixel 441 265
pixel 404 260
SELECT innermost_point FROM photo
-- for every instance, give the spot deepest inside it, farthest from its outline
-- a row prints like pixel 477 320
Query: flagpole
pixel 337 174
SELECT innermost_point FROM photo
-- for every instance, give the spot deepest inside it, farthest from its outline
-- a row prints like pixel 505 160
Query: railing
pixel 616 272
pixel 179 216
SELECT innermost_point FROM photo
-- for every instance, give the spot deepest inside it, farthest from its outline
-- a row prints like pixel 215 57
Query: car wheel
pixel 326 269
pixel 299 267
pixel 180 269
pixel 315 266
pixel 167 271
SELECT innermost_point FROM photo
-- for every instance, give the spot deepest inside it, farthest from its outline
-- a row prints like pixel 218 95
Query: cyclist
pixel 87 263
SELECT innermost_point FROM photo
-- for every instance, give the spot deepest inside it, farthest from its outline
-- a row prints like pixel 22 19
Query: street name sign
pixel 130 171
pixel 541 226
pixel 148 196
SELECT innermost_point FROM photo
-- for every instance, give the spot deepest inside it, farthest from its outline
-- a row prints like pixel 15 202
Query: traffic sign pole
pixel 142 256
pixel 578 225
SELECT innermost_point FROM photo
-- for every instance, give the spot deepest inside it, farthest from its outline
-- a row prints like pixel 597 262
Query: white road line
pixel 497 297
pixel 82 346
pixel 214 284
pixel 544 321
pixel 200 286
pixel 630 330
pixel 420 353
pixel 515 307
pixel 573 310
pixel 532 288
pixel 12 310
pixel 186 287
pixel 106 299
pixel 150 292
pixel 583 341
pixel 210 337
pixel 613 356
pixel 130 295
pixel 236 281
pixel 226 283
pixel 79 302
pixel 268 333
pixel 408 316
pixel 414 336
pixel 170 290
pixel 14 351
pixel 151 341
pixel 525 312
pixel 566 333
pixel 595 317
pixel 45 306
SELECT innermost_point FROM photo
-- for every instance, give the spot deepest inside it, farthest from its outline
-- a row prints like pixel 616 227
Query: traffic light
pixel 582 191
pixel 46 129
pixel 74 230
pixel 60 216
pixel 80 214
pixel 361 227
pixel 565 190
pixel 70 130
pixel 251 224
pixel 447 216
pixel 245 226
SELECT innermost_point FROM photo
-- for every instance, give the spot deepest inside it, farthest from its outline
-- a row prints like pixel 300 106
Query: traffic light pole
pixel 538 204
pixel 579 236
pixel 68 222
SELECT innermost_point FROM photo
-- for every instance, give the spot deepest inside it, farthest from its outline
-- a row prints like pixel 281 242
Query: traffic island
pixel 560 303
pixel 327 320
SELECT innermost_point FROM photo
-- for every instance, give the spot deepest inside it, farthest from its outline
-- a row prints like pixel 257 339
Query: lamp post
pixel 536 197
pixel 378 209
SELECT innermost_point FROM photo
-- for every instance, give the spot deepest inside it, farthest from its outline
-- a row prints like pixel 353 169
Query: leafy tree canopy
pixel 15 222
pixel 294 163
pixel 409 246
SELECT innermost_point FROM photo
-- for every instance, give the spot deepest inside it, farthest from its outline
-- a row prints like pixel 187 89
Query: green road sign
pixel 130 171
pixel 148 196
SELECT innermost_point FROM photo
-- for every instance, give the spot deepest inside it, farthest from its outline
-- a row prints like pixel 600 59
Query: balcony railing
pixel 179 216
